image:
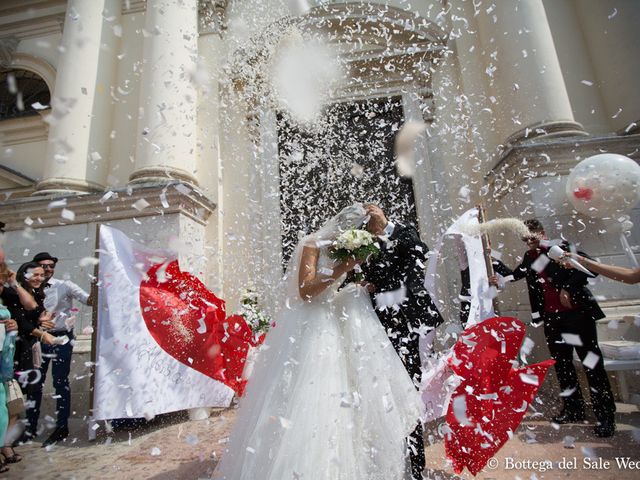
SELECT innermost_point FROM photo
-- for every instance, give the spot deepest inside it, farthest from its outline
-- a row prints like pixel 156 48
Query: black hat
pixel 44 256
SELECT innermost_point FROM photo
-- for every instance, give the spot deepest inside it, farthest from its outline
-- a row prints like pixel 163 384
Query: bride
pixel 328 398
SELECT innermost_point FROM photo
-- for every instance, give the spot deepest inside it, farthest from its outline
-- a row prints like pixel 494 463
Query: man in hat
pixel 59 296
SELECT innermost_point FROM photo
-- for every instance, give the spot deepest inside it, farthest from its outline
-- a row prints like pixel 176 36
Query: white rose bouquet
pixel 257 320
pixel 356 244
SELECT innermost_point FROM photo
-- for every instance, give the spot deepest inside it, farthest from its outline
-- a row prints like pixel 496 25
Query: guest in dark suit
pixel 561 301
pixel 395 280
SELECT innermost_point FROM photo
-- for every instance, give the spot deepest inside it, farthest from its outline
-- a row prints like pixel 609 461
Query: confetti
pixel 140 204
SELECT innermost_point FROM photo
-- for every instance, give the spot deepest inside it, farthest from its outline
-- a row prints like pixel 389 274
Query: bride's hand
pixel 351 263
pixel 371 288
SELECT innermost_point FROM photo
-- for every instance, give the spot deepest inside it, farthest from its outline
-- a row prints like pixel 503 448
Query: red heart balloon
pixel 496 395
pixel 583 193
pixel 189 323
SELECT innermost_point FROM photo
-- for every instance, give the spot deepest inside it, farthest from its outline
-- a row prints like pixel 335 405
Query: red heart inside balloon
pixel 493 398
pixel 583 193
pixel 189 323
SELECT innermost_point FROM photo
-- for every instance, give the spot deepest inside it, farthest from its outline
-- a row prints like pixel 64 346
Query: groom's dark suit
pixel 400 268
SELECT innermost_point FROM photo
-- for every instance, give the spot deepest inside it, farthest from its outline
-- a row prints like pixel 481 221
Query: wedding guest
pixel 6 368
pixel 561 301
pixel 7 421
pixel 32 324
pixel 59 297
pixel 620 274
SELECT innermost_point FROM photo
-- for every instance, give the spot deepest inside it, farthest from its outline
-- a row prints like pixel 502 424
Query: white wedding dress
pixel 328 398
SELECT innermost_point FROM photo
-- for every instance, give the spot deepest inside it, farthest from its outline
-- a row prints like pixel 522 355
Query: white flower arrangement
pixel 250 310
pixel 354 239
pixel 357 244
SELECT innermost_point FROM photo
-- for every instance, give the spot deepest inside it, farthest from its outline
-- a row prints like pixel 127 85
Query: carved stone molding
pixel 548 129
pixel 30 19
pixel 107 206
pixel 36 65
pixel 383 49
pixel 66 186
pixel 16 131
pixel 133 6
pixel 631 129
pixel 550 157
pixel 162 174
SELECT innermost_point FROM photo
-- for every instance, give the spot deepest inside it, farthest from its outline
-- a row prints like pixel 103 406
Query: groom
pixel 395 280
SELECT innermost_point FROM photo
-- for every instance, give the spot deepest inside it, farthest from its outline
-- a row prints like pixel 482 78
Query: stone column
pixel 525 76
pixel 167 133
pixel 78 151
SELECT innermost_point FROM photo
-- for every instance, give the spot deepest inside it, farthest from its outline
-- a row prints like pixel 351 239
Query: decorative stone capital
pixel 550 157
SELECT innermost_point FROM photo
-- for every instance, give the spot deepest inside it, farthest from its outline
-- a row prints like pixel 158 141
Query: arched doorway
pixel 389 56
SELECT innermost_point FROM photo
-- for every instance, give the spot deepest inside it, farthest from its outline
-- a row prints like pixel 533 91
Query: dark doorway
pixel 350 159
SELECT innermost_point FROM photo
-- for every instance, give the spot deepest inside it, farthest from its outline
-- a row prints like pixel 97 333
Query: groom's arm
pixel 414 255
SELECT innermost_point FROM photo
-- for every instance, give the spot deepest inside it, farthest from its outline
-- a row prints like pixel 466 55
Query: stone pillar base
pixel 162 174
pixel 64 186
pixel 546 129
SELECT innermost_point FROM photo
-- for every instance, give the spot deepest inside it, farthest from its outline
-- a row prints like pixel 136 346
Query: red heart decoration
pixel 583 193
pixel 497 395
pixel 175 306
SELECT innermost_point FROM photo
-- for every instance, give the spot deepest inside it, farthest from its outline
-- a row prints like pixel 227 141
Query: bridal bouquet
pixel 356 244
pixel 250 310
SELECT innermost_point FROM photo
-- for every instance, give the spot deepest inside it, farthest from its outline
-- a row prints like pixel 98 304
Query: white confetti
pixel 572 339
pixel 106 196
pixel 529 379
pixel 68 214
pixel 591 360
pixel 460 410
pixel 140 204
pixel 183 189
pixel 88 261
pixel 540 263
pixel 57 204
pixel 163 200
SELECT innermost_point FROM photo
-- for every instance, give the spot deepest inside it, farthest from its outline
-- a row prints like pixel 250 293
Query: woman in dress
pixel 328 398
pixel 32 323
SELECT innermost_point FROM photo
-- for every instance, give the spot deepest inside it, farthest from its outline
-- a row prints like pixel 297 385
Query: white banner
pixel 135 377
pixel 438 380
pixel 480 292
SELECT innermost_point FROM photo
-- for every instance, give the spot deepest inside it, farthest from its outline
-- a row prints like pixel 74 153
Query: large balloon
pixel 604 185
